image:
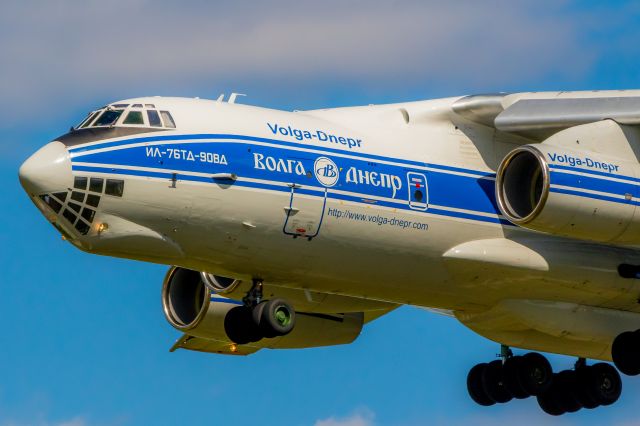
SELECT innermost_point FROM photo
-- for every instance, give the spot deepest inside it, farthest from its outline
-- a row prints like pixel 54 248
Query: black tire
pixel 511 380
pixel 604 384
pixel 278 318
pixel 625 353
pixel 581 388
pixel 535 373
pixel 548 402
pixel 475 388
pixel 257 312
pixel 239 326
pixel 564 384
pixel 493 384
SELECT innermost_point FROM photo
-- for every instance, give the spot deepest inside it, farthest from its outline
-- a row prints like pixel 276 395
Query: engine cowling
pixel 582 182
pixel 191 307
pixel 570 192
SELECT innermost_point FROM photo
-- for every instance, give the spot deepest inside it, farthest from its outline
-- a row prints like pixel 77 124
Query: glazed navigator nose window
pixel 114 187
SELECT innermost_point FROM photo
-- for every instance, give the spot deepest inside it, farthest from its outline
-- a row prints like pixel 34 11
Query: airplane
pixel 516 214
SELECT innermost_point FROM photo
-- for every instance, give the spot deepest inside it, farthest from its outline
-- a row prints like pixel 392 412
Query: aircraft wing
pixel 539 115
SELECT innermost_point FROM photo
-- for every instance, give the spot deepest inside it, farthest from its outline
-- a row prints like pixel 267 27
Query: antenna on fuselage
pixel 234 95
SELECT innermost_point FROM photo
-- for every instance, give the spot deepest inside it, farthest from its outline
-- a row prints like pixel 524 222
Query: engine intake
pixel 565 186
pixel 523 184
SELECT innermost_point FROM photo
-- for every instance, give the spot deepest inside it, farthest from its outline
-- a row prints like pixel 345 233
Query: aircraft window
pixel 87 121
pixel 93 200
pixel 108 118
pixel 154 118
pixel 114 187
pixel 136 106
pixel 51 202
pixel 62 196
pixel 75 207
pixel 119 105
pixel 77 196
pixel 150 105
pixel 88 214
pixel 168 120
pixel 82 227
pixel 96 184
pixel 134 117
pixel 68 214
pixel 80 182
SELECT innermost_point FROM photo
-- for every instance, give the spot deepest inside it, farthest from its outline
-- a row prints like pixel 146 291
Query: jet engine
pixel 191 307
pixel 560 190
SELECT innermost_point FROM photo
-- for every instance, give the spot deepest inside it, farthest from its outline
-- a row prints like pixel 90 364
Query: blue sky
pixel 84 340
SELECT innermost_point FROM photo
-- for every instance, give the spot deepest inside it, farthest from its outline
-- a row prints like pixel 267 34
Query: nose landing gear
pixel 258 319
pixel 531 375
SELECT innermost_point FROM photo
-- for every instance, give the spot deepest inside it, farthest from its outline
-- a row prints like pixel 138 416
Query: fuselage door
pixel 305 211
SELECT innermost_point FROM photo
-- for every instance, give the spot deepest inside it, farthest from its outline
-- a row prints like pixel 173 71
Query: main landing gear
pixel 625 352
pixel 519 377
pixel 257 319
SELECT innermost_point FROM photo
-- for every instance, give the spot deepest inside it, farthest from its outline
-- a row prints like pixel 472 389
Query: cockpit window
pixel 87 121
pixel 116 115
pixel 134 117
pixel 154 118
pixel 108 117
pixel 168 120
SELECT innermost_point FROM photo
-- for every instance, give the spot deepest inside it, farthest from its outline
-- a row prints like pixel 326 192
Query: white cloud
pixel 66 52
pixel 362 417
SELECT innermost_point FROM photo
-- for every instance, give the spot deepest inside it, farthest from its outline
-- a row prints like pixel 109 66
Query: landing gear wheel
pixel 564 385
pixel 510 375
pixel 549 403
pixel 625 352
pixel 604 384
pixel 277 318
pixel 475 388
pixel 239 326
pixel 256 312
pixel 581 390
pixel 535 373
pixel 493 384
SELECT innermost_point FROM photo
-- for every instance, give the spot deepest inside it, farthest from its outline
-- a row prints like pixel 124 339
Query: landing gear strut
pixel 531 375
pixel 257 318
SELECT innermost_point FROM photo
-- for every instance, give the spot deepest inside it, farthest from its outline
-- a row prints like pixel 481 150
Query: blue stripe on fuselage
pixel 450 187
pixel 279 164
pixel 402 205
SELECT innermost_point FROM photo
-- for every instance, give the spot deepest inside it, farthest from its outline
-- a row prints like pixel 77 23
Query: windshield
pixel 87 121
pixel 109 117
pixel 124 115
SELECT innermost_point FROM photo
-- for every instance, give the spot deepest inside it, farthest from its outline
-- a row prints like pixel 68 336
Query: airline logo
pixel 314 135
pixel 326 171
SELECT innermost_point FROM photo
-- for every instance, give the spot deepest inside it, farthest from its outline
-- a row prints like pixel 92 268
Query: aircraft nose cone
pixel 47 170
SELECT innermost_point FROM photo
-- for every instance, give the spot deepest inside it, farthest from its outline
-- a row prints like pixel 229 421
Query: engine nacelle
pixel 192 308
pixel 569 192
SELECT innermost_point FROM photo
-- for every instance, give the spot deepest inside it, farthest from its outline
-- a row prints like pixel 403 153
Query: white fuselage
pixel 379 202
